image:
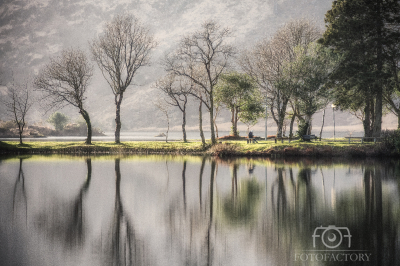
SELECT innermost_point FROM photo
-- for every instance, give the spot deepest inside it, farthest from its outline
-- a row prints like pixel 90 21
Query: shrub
pixel 223 149
pixel 391 140
pixel 302 129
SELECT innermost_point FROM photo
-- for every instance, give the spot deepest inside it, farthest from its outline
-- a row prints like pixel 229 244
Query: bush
pixel 391 140
pixel 223 149
pixel 302 129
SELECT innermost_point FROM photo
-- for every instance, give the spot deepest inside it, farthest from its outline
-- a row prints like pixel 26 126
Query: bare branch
pixel 65 80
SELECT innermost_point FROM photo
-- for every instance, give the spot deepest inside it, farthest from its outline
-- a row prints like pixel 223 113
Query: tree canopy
pixel 122 49
pixel 58 120
pixel 202 57
pixel 264 64
pixel 365 33
pixel 65 80
pixel 307 74
pixel 238 92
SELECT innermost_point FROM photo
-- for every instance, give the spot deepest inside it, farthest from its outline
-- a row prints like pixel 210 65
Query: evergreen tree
pixel 364 32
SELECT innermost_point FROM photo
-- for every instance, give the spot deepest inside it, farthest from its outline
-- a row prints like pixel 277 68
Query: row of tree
pixel 299 70
pixel 285 72
pixel 122 48
pixel 295 73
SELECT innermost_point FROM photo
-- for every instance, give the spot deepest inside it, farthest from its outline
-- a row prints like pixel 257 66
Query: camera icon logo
pixel 332 236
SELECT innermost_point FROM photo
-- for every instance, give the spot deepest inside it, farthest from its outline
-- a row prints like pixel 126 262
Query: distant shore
pixel 239 148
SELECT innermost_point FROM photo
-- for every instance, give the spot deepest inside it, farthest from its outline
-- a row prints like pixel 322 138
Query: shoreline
pixel 222 149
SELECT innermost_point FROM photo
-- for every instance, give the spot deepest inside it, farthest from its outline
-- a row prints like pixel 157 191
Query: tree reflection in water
pixel 65 223
pixel 241 207
pixel 123 247
pixel 210 217
pixel 298 209
pixel 19 195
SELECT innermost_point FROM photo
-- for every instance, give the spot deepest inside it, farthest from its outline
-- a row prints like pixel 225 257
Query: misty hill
pixel 31 31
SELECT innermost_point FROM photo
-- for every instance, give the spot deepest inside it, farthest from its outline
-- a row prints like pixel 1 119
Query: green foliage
pixel 240 94
pixel 233 89
pixel 312 67
pixel 234 131
pixel 252 111
pixel 58 120
pixel 302 129
pixel 366 35
pixel 391 140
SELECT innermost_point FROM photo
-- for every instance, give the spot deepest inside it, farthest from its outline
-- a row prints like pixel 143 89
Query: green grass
pixel 263 145
pixel 100 146
pixel 239 147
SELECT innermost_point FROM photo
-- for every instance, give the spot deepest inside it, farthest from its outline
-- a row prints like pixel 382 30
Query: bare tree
pixel 120 51
pixel 18 103
pixel 202 57
pixel 64 81
pixel 164 106
pixel 177 90
pixel 264 63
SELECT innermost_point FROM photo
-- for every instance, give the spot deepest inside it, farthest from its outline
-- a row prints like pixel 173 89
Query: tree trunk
pixel 367 118
pixel 118 101
pixel 398 120
pixel 291 125
pixel 233 130
pixel 20 131
pixel 184 126
pixel 236 121
pixel 216 129
pixel 322 127
pixel 213 140
pixel 377 125
pixel 86 117
pixel 281 118
pixel 203 141
pixel 309 122
pixel 166 135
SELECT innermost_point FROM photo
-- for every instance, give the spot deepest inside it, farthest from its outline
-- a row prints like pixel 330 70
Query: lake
pixel 173 210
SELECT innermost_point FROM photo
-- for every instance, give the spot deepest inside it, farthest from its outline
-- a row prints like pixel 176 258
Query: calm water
pixel 156 210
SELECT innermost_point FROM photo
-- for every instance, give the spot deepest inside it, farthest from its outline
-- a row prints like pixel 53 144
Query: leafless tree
pixel 64 81
pixel 122 48
pixel 202 57
pixel 17 104
pixel 265 64
pixel 177 91
pixel 164 107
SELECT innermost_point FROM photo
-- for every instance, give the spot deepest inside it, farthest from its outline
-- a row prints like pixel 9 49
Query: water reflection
pixel 64 221
pixel 19 195
pixel 122 247
pixel 198 211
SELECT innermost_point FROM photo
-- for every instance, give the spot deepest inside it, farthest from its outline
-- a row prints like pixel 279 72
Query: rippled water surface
pixel 157 210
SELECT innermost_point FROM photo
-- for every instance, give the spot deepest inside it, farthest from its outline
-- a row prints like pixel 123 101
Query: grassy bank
pixel 224 149
pixel 99 147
